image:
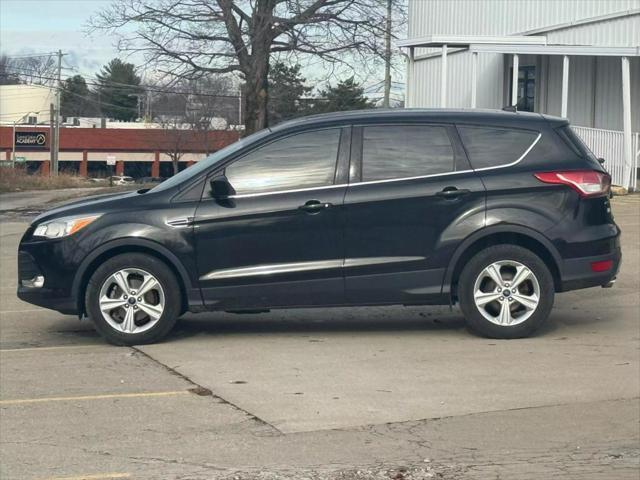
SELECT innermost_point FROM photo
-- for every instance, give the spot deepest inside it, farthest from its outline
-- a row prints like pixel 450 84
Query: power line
pixel 100 102
pixel 129 86
pixel 27 55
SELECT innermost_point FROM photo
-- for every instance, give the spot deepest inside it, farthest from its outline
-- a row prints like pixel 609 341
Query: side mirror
pixel 601 161
pixel 221 189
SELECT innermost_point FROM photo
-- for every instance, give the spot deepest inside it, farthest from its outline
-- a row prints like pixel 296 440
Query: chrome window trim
pixel 372 182
pixel 526 152
pixel 307 189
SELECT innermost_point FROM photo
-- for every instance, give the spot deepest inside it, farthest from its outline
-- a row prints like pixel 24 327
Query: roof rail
pixel 510 108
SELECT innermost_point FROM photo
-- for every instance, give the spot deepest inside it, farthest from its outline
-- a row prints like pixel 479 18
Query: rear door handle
pixel 314 206
pixel 453 192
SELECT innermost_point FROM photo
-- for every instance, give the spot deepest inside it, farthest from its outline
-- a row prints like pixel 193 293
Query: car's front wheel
pixel 133 299
pixel 505 291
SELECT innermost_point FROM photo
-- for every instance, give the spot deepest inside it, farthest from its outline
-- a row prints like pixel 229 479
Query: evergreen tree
pixel 347 95
pixel 118 90
pixel 286 89
pixel 75 98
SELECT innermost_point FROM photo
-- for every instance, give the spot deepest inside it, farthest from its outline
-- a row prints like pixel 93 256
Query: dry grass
pixel 16 179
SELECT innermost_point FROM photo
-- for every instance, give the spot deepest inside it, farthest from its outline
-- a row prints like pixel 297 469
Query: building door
pixel 526 88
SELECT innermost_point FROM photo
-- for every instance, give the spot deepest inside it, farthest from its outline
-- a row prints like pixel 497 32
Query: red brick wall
pixel 130 140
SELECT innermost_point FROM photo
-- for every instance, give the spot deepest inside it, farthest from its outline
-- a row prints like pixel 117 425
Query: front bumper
pixel 39 293
pixel 47 298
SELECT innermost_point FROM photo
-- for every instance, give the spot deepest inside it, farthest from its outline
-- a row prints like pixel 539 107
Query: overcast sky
pixel 41 26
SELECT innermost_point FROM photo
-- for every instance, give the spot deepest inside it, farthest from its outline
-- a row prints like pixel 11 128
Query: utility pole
pixel 13 157
pixel 56 151
pixel 52 140
pixel 240 106
pixel 148 106
pixel 387 57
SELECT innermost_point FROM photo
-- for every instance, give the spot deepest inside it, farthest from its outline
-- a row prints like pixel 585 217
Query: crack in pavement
pixel 463 415
pixel 200 388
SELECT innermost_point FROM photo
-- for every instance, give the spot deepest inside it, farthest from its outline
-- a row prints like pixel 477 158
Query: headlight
pixel 62 227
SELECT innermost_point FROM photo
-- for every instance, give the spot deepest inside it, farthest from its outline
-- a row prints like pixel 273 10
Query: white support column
pixel 474 79
pixel 514 80
pixel 565 86
pixel 443 78
pixel 626 122
pixel 411 79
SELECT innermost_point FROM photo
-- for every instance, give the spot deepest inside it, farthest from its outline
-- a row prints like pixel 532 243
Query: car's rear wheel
pixel 133 299
pixel 506 291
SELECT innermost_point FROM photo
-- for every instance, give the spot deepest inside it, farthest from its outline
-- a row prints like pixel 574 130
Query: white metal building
pixel 574 58
pixel 25 104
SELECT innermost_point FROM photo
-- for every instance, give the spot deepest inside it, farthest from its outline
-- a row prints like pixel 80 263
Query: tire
pixel 134 319
pixel 496 311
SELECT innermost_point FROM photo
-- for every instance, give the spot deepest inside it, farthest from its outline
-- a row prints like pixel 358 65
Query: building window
pixel 526 88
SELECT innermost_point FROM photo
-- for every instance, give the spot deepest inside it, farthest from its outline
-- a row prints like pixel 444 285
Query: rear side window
pixel 493 147
pixel 404 151
pixel 573 141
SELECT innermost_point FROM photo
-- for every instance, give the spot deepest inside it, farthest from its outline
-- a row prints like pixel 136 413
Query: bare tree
pixel 192 38
pixel 36 70
pixel 8 73
pixel 175 146
pixel 208 99
pixel 186 114
pixel 176 139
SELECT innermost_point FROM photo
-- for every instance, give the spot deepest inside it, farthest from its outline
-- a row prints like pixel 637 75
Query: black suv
pixel 493 210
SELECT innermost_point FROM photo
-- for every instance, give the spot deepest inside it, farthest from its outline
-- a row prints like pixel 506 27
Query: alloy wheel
pixel 131 300
pixel 506 293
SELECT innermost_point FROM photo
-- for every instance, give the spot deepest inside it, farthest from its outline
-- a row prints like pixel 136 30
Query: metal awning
pixel 590 50
pixel 467 40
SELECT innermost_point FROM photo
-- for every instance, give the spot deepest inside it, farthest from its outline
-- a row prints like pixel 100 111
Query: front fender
pixel 140 237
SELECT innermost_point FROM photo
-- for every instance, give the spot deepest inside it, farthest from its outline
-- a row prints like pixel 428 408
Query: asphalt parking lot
pixel 331 393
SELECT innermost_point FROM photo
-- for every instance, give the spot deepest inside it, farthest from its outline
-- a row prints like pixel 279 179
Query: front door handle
pixel 314 206
pixel 453 192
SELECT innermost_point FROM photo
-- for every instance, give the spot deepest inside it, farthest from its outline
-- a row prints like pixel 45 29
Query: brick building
pixel 138 152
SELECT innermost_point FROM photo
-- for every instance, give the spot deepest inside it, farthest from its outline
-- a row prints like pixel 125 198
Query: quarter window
pixel 404 151
pixel 492 147
pixel 300 161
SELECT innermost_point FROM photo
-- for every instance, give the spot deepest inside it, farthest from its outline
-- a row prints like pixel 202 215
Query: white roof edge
pixel 589 50
pixel 466 40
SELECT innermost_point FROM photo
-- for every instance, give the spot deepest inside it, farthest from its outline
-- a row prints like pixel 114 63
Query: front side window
pixel 493 147
pixel 304 160
pixel 404 151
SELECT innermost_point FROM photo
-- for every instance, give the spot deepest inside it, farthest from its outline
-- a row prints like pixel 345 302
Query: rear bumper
pixel 577 273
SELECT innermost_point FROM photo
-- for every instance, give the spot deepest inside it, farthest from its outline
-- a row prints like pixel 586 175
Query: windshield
pixel 210 161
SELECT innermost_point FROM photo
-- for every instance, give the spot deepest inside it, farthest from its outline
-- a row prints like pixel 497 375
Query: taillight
pixel 601 266
pixel 588 183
